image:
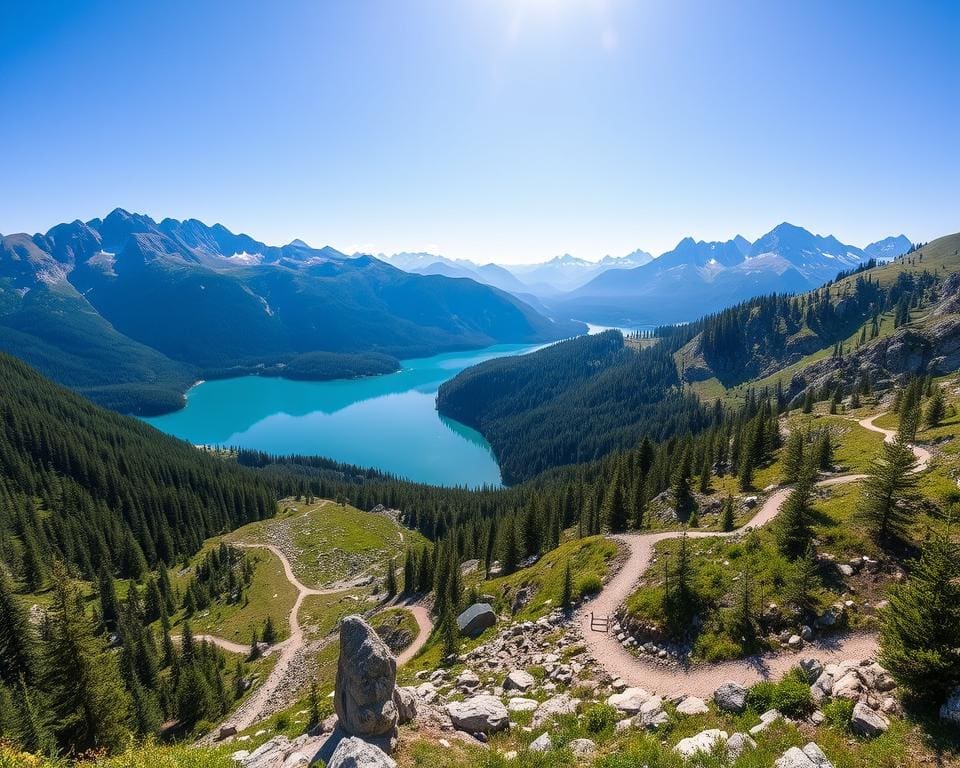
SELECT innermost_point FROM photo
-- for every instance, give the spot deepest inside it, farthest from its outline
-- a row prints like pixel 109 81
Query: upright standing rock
pixel 366 679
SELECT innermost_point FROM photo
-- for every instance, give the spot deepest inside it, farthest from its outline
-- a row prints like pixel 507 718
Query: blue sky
pixel 508 130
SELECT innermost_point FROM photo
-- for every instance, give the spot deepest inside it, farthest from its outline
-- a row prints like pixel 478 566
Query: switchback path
pixel 702 679
pixel 257 706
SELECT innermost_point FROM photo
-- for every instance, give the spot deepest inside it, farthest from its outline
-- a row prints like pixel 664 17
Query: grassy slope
pixel 326 542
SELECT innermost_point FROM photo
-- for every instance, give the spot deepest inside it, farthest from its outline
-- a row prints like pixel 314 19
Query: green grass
pixel 322 613
pixel 269 594
pixel 329 542
pixel 399 619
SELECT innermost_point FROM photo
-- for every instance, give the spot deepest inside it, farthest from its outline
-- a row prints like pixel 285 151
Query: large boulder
pixel 352 752
pixel 811 756
pixel 476 618
pixel 519 680
pixel 479 714
pixel 731 697
pixel 702 743
pixel 366 681
pixel 865 722
pixel 629 701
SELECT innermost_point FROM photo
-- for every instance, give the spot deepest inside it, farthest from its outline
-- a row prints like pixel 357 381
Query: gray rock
pixel 731 697
pixel 629 701
pixel 950 710
pixel 352 752
pixel 518 680
pixel 520 704
pixel 738 744
pixel 767 719
pixel 703 742
pixel 691 705
pixel 561 704
pixel 865 722
pixel 406 701
pixel 582 747
pixel 366 680
pixel 479 714
pixel 542 743
pixel 476 618
pixel 810 756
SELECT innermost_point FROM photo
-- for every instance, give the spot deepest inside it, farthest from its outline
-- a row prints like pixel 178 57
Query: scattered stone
pixel 811 756
pixel 561 704
pixel 865 722
pixel 582 747
pixel 812 668
pixel 352 752
pixel 795 642
pixel 479 714
pixel 519 680
pixel 731 697
pixel 468 680
pixel 692 705
pixel 476 618
pixel 766 720
pixel 629 701
pixel 738 744
pixel 542 743
pixel 703 742
pixel 406 701
pixel 520 704
pixel 366 679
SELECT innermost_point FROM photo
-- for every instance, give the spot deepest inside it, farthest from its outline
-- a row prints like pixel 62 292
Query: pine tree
pixel 727 521
pixel 920 631
pixel 31 723
pixel 936 409
pixel 887 491
pixel 823 451
pixel 682 497
pixel 87 698
pixel 17 658
pixel 108 599
pixel 391 580
pixel 449 634
pixel 793 525
pixel 615 506
pixel 679 597
pixel 315 716
pixel 910 411
pixel 803 581
pixel 409 573
pixel 510 555
pixel 808 400
pixel 194 697
pixel 706 471
pixel 254 647
pixel 269 631
pixel 793 459
pixel 746 624
pixel 566 595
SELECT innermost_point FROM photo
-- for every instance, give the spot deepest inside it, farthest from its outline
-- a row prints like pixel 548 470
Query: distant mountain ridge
pixel 129 311
pixel 700 276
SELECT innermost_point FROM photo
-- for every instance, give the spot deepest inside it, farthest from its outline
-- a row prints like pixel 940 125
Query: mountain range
pixel 692 278
pixel 130 311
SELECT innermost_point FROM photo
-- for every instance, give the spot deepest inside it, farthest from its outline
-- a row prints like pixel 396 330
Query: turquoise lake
pixel 388 422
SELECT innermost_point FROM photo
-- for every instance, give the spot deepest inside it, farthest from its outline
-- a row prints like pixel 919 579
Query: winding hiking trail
pixel 703 679
pixel 255 707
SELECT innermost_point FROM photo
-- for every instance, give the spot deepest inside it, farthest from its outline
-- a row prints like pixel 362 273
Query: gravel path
pixel 703 679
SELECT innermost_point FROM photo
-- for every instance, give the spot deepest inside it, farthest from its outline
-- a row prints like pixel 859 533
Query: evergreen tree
pixel 30 722
pixel 808 400
pixel 87 698
pixel 615 506
pixel 254 647
pixel 315 716
pixel 706 471
pixel 194 697
pixel 823 451
pixel 510 554
pixel 679 597
pixel 920 631
pixel 391 579
pixel 682 497
pixel 936 409
pixel 746 625
pixel 409 573
pixel 17 658
pixel 269 631
pixel 727 517
pixel 793 459
pixel 888 490
pixel 793 526
pixel 449 634
pixel 108 598
pixel 803 582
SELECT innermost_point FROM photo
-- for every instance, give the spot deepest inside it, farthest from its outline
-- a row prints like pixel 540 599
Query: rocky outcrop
pixel 476 618
pixel 479 714
pixel 866 722
pixel 366 680
pixel 731 697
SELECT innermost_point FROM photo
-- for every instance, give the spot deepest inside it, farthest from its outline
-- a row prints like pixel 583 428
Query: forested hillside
pixel 130 311
pixel 572 402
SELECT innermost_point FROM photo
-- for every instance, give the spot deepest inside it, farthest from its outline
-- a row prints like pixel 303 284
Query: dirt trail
pixel 703 679
pixel 253 708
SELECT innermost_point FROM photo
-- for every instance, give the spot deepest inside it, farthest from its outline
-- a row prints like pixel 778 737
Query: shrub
pixel 714 647
pixel 589 585
pixel 791 696
pixel 600 718
pixel 838 712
